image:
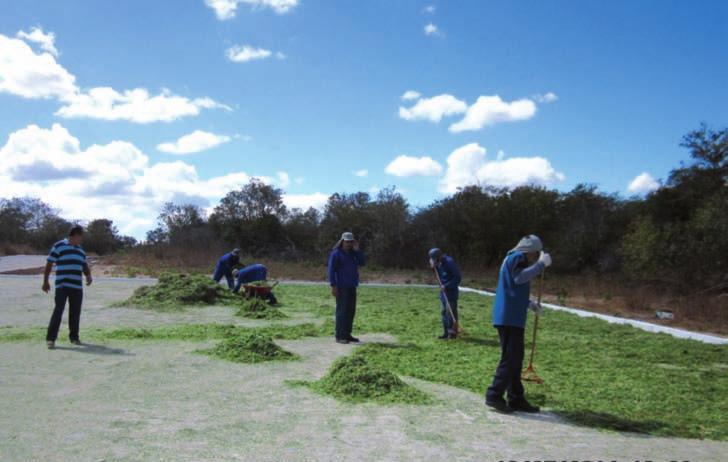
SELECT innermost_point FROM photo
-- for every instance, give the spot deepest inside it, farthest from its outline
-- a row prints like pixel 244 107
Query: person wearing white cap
pixel 512 302
pixel 343 274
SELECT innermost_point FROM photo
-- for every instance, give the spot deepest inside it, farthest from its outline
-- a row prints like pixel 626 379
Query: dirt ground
pixel 22 262
pixel 153 400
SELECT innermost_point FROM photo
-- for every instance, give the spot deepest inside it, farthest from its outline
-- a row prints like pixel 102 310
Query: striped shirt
pixel 70 262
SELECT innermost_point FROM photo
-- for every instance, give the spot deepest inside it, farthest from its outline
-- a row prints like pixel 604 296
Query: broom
pixel 529 374
pixel 456 323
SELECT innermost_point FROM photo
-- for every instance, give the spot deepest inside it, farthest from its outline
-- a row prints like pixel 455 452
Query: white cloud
pixel 135 105
pixel 114 180
pixel 489 110
pixel 429 9
pixel 642 184
pixel 30 75
pixel 546 98
pixel 467 165
pixel 434 109
pixel 196 141
pixel 404 166
pixel 410 95
pixel 36 35
pixel 305 201
pixel 245 53
pixel 519 171
pixel 284 180
pixel 362 173
pixel 431 29
pixel 27 74
pixel 224 9
pixel 227 9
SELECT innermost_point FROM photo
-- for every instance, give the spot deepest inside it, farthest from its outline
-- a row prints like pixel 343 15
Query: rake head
pixel 529 375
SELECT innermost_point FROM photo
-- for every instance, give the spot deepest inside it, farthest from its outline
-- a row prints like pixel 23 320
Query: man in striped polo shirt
pixel 70 261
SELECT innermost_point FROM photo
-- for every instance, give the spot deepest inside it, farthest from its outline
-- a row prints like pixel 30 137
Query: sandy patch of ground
pixel 21 262
pixel 161 401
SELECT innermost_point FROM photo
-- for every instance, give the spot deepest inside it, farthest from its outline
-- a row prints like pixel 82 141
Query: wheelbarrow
pixel 259 290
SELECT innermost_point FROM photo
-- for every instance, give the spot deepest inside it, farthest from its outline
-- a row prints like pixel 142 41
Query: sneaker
pixel 76 342
pixel 443 337
pixel 342 341
pixel 353 339
pixel 51 345
pixel 499 406
pixel 524 406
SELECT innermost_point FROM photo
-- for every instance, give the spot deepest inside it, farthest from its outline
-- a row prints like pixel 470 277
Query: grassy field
pixel 604 293
pixel 596 374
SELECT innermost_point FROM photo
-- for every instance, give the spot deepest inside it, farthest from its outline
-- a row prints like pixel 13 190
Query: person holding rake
pixel 512 302
pixel 448 277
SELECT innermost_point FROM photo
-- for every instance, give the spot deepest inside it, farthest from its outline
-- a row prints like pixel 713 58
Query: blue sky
pixel 625 80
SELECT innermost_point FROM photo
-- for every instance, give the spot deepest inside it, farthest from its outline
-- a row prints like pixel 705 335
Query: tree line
pixel 675 236
pixel 30 222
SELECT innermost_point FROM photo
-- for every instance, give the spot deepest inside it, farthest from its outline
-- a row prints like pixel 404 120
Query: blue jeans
pixel 448 325
pixel 221 271
pixel 508 374
pixel 345 311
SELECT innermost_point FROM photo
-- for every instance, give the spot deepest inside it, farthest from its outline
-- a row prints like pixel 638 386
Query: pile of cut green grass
pixel 257 308
pixel 177 290
pixel 354 379
pixel 251 347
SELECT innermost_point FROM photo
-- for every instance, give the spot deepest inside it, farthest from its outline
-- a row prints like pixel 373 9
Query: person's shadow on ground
pixel 95 349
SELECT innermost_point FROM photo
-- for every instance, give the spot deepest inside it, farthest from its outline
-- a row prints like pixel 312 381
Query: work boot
pixel 499 405
pixel 353 339
pixel 51 345
pixel 523 406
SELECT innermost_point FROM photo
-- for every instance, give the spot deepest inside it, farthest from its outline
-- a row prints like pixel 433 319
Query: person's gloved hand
pixel 535 307
pixel 545 258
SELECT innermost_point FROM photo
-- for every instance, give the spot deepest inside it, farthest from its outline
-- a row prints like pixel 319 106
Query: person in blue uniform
pixel 512 302
pixel 253 273
pixel 450 278
pixel 343 275
pixel 225 266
